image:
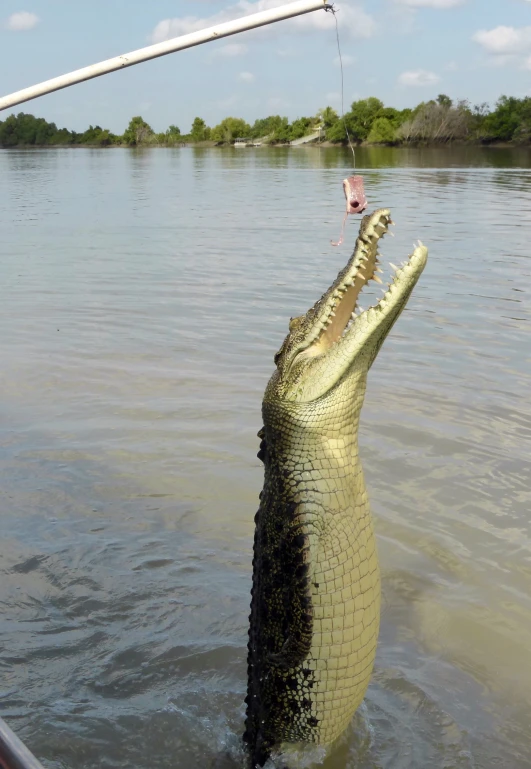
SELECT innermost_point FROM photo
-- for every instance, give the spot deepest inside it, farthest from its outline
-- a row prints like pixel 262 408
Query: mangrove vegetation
pixel 369 121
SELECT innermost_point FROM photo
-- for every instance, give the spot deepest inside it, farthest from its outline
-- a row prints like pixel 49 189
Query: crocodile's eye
pixel 295 323
pixel 277 357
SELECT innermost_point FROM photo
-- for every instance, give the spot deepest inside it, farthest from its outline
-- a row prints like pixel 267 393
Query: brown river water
pixel 143 295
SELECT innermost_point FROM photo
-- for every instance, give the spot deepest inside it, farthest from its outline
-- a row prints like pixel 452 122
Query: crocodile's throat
pixel 316 586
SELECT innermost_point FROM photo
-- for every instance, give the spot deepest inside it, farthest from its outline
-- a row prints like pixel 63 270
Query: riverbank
pixel 276 145
pixel 369 122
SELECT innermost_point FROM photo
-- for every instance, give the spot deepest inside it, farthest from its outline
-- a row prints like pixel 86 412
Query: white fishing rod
pixel 13 753
pixel 162 49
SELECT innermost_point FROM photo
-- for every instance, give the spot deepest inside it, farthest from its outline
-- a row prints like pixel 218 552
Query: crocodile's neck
pixel 312 460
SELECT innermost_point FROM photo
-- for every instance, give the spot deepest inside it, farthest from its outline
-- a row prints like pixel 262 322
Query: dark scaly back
pixel 280 628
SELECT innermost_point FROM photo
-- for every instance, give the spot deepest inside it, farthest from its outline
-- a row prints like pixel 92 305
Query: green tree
pixel 382 132
pixel 300 127
pixel 337 132
pixel 394 116
pixel 328 117
pixel 274 127
pixel 26 130
pixel 523 132
pixel 95 135
pixel 444 100
pixel 229 129
pixel 44 132
pixel 503 122
pixel 199 132
pixel 358 120
pixel 363 113
pixel 171 137
pixel 138 132
pixel 64 136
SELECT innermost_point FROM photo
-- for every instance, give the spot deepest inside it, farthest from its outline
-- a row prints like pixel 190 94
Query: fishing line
pixel 353 206
pixel 332 10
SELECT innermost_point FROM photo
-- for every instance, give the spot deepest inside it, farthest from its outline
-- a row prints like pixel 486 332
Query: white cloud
pixel 247 77
pixel 347 59
pixel 418 77
pixel 504 40
pixel 231 49
pixel 333 96
pixel 433 3
pixel 21 21
pixel 353 21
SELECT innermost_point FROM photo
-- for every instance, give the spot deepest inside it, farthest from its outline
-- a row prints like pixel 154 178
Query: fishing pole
pixel 13 753
pixel 162 49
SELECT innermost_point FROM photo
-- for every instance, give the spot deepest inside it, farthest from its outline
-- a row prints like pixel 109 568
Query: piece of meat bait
pixel 355 199
pixel 354 194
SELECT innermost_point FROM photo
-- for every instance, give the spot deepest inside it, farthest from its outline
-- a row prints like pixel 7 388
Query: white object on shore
pixel 161 49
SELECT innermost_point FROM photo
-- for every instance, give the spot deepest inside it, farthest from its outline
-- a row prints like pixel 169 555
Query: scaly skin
pixel 315 605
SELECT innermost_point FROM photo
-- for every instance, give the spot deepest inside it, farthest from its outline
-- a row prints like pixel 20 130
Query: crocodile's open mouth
pixel 336 336
pixel 339 310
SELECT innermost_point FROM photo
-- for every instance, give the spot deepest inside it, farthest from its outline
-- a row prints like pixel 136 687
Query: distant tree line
pixel 438 121
pixel 26 130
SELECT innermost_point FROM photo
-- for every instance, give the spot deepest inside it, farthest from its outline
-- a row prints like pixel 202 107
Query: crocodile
pixel 315 597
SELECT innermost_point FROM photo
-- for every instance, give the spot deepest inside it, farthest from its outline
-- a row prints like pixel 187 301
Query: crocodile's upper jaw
pixel 330 341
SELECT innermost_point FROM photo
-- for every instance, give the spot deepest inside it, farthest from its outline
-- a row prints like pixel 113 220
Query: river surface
pixel 143 295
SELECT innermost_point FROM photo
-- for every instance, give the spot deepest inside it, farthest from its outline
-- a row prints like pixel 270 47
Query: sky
pixel 402 51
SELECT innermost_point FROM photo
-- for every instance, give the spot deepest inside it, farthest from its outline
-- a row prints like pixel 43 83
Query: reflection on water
pixel 143 297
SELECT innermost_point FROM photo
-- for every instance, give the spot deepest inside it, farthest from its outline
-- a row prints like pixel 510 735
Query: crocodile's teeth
pixel 377 279
pixel 393 266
